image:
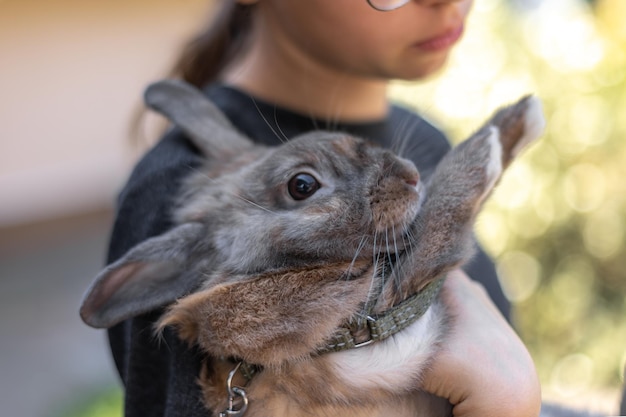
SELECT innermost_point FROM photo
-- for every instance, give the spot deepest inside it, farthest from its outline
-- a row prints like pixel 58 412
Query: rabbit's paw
pixel 534 124
pixel 520 124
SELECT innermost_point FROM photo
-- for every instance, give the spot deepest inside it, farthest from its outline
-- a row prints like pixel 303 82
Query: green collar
pixel 376 327
pixel 380 326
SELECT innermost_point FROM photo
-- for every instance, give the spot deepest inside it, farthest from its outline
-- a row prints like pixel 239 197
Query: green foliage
pixel 105 403
pixel 556 224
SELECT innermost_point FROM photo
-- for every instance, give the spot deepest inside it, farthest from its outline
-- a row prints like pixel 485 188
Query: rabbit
pixel 276 248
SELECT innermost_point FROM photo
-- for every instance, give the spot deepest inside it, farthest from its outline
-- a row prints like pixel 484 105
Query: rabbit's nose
pixel 406 171
pixel 412 181
pixel 401 168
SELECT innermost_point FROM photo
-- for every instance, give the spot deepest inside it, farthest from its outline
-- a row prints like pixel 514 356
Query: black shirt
pixel 160 375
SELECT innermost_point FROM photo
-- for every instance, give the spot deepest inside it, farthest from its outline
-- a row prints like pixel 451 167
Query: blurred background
pixel 71 77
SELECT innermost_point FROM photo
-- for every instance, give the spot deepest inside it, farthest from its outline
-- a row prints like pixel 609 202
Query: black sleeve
pixel 159 374
pixel 482 269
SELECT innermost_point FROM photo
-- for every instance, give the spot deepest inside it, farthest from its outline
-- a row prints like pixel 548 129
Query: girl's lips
pixel 441 42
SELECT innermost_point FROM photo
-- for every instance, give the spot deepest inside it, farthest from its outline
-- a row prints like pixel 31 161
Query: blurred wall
pixel 71 75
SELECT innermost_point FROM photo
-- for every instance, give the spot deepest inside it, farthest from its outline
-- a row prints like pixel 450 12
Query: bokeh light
pixel 519 274
pixel 572 375
pixel 555 224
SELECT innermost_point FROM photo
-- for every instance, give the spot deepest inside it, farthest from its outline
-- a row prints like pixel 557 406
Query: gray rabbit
pixel 290 260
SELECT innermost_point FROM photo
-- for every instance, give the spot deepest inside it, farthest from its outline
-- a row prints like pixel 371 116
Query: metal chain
pixel 237 397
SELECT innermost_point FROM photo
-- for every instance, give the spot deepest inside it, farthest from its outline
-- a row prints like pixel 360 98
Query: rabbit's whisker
pixel 378 271
pixel 279 128
pixel 252 203
pixel 359 248
pixel 281 136
pixel 397 276
pixel 239 196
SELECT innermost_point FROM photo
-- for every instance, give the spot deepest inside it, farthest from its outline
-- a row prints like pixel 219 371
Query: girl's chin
pixel 425 69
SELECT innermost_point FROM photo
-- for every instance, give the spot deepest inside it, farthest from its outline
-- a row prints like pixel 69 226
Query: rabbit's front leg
pixel 442 233
pixel 459 186
pixel 275 317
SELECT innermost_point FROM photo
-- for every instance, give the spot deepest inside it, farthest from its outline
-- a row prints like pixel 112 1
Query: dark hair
pixel 211 50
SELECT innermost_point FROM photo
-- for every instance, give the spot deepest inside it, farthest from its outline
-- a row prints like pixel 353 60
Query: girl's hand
pixel 483 368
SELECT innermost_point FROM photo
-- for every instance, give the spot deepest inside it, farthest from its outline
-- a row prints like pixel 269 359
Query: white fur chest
pixel 381 379
pixel 395 363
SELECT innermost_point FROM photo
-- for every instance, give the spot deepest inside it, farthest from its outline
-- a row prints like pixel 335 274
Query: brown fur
pixel 272 318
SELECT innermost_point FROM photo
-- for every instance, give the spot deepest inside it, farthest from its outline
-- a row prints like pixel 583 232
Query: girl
pixel 278 68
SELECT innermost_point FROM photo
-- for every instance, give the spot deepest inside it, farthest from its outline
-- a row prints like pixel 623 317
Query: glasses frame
pixel 396 5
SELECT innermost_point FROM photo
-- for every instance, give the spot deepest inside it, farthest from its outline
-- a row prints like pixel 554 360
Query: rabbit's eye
pixel 302 186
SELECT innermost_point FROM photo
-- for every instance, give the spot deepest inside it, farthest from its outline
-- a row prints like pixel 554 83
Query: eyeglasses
pixel 387 5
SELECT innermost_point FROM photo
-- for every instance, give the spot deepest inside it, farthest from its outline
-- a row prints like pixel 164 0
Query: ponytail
pixel 208 53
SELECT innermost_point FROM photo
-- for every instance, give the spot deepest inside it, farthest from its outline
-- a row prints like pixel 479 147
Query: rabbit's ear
pixel 188 108
pixel 152 274
pixel 519 124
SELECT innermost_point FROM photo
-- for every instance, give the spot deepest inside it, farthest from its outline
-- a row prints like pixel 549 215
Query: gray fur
pixel 152 274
